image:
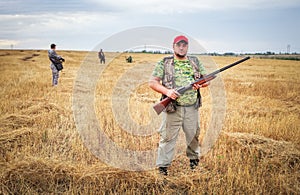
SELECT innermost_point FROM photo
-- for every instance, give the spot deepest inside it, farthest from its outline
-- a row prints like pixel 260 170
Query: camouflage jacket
pixel 177 73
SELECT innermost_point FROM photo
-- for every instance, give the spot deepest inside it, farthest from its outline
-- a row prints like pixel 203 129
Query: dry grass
pixel 41 151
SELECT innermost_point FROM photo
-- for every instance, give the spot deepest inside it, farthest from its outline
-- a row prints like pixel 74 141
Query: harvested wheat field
pixel 45 147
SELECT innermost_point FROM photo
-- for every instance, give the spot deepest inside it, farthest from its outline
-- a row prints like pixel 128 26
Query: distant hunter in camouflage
pixel 55 61
pixel 170 73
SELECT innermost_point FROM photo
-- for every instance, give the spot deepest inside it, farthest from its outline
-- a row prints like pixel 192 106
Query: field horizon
pixel 42 150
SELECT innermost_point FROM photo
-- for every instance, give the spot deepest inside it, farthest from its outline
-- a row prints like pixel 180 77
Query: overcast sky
pixel 219 26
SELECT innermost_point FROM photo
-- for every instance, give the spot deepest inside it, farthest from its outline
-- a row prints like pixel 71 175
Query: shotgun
pixel 160 106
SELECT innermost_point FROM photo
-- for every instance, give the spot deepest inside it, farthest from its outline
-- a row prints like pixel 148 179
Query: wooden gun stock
pixel 160 106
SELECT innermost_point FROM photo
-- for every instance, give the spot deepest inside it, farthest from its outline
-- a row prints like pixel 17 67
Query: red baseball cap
pixel 180 38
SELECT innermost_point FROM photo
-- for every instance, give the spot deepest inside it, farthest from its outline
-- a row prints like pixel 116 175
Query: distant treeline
pixel 257 53
pixel 264 55
pixel 150 51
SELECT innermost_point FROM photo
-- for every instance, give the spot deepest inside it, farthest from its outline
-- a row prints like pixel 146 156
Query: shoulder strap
pixel 197 75
pixel 195 64
pixel 168 80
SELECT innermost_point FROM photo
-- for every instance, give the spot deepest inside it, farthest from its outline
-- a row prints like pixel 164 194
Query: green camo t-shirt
pixel 183 75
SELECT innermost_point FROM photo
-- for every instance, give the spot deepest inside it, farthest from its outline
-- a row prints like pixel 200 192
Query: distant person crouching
pixel 56 64
pixel 129 59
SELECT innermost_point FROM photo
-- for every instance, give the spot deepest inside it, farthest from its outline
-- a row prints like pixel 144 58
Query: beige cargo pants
pixel 186 118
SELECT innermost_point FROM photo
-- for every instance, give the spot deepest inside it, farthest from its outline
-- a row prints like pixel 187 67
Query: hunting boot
pixel 163 170
pixel 194 163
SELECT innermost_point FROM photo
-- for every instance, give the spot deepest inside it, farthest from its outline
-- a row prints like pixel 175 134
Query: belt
pixel 188 105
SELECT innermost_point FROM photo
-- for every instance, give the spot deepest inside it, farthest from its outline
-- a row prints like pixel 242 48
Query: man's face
pixel 180 49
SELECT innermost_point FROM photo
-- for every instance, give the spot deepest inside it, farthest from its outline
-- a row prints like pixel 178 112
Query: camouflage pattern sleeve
pixel 53 56
pixel 159 70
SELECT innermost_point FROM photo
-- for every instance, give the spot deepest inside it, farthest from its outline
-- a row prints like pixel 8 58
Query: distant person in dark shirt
pixel 101 56
pixel 129 59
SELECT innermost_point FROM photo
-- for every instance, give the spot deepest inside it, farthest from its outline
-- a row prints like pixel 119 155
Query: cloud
pixel 55 23
pixel 179 6
pixel 21 29
pixel 47 6
pixel 82 24
pixel 6 43
pixel 147 6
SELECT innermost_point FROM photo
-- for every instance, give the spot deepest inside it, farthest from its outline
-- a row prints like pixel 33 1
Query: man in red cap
pixel 169 74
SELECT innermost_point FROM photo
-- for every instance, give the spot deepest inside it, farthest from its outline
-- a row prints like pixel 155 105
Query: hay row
pixel 15 121
pixel 268 149
pixel 14 135
pixel 35 175
pixel 51 176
